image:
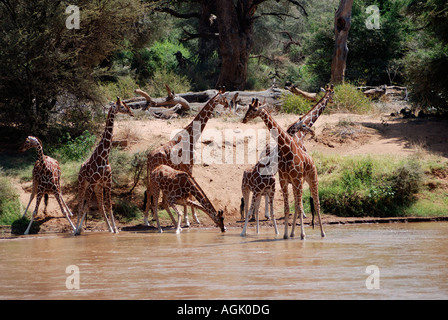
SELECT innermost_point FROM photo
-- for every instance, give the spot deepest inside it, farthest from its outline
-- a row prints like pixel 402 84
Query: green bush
pixel 9 201
pixel 123 88
pixel 74 149
pixel 125 211
pixel 368 188
pixel 295 104
pixel 177 83
pixel 161 55
pixel 347 98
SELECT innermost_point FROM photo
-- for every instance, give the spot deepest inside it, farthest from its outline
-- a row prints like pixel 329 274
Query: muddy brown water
pixel 375 261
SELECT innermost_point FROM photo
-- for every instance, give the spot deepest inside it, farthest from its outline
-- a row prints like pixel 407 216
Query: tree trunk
pixel 235 41
pixel 342 22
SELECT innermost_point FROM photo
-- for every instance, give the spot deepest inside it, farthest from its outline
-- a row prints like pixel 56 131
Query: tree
pixel 342 22
pixel 427 60
pixel 234 21
pixel 41 60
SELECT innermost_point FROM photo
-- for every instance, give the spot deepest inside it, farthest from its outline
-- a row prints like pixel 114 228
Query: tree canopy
pixel 198 44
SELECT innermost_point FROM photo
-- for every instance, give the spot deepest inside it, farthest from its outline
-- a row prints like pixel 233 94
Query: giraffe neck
pixel 195 128
pixel 193 131
pixel 105 144
pixel 310 117
pixel 40 153
pixel 284 140
pixel 199 194
pixel 317 110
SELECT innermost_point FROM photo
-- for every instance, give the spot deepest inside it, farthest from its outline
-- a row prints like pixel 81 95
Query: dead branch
pixel 306 95
pixel 171 100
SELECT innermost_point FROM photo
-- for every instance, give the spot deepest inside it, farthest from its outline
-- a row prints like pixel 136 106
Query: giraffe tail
pixel 242 207
pixel 313 211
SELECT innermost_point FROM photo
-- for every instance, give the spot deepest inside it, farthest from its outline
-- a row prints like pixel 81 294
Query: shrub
pixel 295 104
pixel 177 83
pixel 161 55
pixel 366 188
pixel 348 98
pixel 9 201
pixel 125 211
pixel 74 149
pixel 123 88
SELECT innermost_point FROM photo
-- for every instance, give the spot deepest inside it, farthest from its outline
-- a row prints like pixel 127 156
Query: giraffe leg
pixel 82 190
pixel 33 193
pixel 298 210
pixel 186 221
pixel 154 201
pixel 38 198
pixel 247 212
pixel 246 195
pixel 315 195
pixel 168 210
pixel 147 207
pixel 266 206
pixel 271 203
pixel 98 190
pixel 195 215
pixel 61 202
pixel 284 186
pixel 66 207
pixel 179 214
pixel 256 199
pixel 108 204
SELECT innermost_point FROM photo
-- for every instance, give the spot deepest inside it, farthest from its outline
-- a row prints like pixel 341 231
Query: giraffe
pixel 177 187
pixel 95 175
pixel 169 154
pixel 46 178
pixel 297 128
pixel 294 166
pixel 260 182
pixel 253 180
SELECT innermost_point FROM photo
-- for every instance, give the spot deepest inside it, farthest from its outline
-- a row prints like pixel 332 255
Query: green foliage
pixel 295 104
pixel 74 149
pixel 124 88
pixel 177 83
pixel 370 188
pixel 125 211
pixel 348 98
pixel 9 201
pixel 160 56
pixel 41 60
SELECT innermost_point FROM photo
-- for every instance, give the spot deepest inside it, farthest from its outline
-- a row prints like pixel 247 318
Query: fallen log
pixel 307 95
pixel 273 96
pixel 171 100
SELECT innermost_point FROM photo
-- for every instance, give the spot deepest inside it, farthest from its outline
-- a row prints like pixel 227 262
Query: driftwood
pixel 171 100
pixel 307 95
pixel 182 102
pixel 273 96
pixel 378 92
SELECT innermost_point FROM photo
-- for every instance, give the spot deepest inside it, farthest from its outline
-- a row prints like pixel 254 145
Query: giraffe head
pixel 329 90
pixel 300 126
pixel 220 221
pixel 30 142
pixel 122 107
pixel 253 111
pixel 221 99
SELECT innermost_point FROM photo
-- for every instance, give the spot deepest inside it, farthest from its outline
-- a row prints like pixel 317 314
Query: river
pixel 370 261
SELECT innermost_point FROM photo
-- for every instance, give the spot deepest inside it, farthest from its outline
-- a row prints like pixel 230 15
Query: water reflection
pixel 205 264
